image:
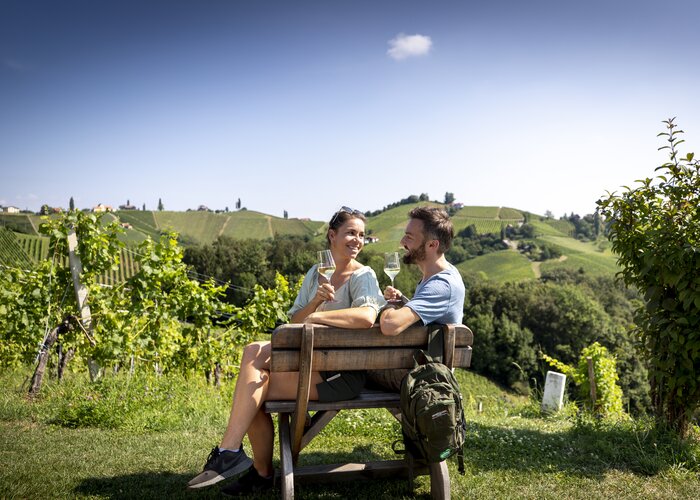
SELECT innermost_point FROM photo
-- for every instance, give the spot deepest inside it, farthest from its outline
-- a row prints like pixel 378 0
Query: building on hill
pixel 371 239
pixel 128 206
pixel 102 208
pixel 203 208
pixel 9 210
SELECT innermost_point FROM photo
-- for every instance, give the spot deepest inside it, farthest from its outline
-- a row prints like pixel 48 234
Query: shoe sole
pixel 241 467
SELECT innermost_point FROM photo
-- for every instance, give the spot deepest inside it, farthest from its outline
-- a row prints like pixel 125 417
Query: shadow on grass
pixel 173 485
pixel 586 451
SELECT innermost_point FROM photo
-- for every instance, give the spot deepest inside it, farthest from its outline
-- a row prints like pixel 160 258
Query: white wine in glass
pixel 326 264
pixel 392 265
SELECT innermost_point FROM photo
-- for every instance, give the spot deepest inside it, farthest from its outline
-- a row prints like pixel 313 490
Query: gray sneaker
pixel 221 465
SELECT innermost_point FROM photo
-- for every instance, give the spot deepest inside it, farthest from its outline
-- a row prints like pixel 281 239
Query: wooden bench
pixel 306 348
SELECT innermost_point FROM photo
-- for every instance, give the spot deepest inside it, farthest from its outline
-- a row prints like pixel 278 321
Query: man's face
pixel 414 242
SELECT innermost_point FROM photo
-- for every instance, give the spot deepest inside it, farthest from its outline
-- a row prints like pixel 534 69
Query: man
pixel 439 297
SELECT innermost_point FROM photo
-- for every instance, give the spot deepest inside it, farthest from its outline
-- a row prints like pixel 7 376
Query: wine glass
pixel 392 265
pixel 326 266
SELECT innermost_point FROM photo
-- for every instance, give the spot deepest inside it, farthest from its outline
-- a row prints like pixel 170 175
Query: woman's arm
pixel 354 317
pixel 302 314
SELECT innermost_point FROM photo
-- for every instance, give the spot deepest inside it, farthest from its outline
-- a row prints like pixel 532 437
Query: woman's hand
pixel 325 292
pixel 392 294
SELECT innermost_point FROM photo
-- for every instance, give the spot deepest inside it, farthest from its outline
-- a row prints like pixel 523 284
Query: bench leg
pixel 439 481
pixel 286 465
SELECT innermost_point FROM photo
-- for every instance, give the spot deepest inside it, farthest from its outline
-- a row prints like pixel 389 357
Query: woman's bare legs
pixel 255 385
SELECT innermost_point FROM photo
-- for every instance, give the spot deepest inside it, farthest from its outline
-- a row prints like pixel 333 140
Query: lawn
pixel 155 445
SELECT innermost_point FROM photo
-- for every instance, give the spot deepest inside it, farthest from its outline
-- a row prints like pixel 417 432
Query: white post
pixel 81 292
pixel 553 397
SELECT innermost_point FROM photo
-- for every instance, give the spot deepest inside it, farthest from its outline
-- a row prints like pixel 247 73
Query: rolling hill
pixel 200 227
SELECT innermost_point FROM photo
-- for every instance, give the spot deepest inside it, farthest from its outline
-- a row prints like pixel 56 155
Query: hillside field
pixel 201 227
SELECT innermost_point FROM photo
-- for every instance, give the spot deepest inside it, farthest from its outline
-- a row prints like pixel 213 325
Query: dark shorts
pixel 337 386
pixel 386 380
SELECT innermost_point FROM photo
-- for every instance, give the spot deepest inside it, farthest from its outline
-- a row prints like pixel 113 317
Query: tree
pixel 160 205
pixel 71 204
pixel 143 207
pixel 449 198
pixel 286 215
pixel 654 229
pixel 238 204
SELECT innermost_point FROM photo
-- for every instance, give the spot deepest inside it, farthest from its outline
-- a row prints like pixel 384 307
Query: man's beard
pixel 415 255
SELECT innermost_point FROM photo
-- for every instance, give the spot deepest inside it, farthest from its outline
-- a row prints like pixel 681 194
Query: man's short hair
pixel 436 225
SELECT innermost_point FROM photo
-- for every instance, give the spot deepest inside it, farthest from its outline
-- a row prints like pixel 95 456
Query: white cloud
pixel 16 66
pixel 404 46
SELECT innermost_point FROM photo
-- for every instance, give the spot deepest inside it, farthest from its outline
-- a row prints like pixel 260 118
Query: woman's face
pixel 348 239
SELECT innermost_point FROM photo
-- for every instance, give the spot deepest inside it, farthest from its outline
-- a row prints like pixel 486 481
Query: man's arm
pixel 395 321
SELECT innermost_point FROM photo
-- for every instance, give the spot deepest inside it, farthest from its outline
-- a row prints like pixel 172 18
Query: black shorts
pixel 386 380
pixel 337 386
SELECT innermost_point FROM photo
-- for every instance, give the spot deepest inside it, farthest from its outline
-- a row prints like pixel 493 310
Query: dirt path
pixel 536 266
pixel 221 231
pixel 269 226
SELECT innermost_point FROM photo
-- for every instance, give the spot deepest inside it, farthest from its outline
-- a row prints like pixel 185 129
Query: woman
pixel 351 299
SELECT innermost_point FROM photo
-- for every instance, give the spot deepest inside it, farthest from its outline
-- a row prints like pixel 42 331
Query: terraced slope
pixel 11 252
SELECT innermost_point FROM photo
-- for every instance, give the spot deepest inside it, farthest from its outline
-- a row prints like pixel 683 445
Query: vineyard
pixel 20 223
pixel 11 251
pixel 22 250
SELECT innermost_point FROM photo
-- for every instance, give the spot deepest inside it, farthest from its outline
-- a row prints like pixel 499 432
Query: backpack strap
pixel 436 343
pixel 460 460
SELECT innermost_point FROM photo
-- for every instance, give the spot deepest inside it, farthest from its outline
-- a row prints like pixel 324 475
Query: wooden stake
pixel 591 379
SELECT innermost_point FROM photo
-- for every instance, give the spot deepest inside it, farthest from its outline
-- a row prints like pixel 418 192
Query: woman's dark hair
pixel 341 217
pixel 436 226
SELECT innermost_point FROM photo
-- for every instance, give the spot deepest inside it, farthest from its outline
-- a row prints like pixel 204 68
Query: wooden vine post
pixel 591 378
pixel 76 269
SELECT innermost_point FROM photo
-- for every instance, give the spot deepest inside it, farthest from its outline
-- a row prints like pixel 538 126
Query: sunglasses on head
pixel 346 210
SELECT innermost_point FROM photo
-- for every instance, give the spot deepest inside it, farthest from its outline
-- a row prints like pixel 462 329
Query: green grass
pixel 505 265
pixel 512 451
pixel 579 254
pixel 22 223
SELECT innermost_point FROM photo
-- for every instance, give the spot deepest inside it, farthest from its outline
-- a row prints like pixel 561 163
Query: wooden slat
pixel 449 339
pixel 439 481
pixel 359 359
pixel 318 422
pixel 289 336
pixel 286 466
pixel 352 471
pixel 366 399
pixel 306 355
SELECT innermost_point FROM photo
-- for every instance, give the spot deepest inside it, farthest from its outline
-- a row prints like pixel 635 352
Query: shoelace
pixel 213 454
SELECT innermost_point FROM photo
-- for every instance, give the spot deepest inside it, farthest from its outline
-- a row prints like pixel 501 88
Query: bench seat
pixel 306 348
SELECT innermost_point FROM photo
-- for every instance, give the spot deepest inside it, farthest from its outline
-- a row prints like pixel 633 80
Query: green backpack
pixel 432 422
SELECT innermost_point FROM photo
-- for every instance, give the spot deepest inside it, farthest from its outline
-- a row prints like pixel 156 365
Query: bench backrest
pixel 333 348
pixel 306 347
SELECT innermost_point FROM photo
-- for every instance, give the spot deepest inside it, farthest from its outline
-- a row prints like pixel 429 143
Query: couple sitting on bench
pixel 351 299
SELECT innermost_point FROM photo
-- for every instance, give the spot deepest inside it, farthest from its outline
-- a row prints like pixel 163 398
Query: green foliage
pixel 560 315
pixel 159 318
pixel 608 401
pixel 654 229
pixel 245 263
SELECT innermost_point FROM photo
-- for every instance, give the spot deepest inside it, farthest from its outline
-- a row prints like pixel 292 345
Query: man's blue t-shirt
pixel 440 298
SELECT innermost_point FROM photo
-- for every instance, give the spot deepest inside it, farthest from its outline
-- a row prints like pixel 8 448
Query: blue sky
pixel 306 106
